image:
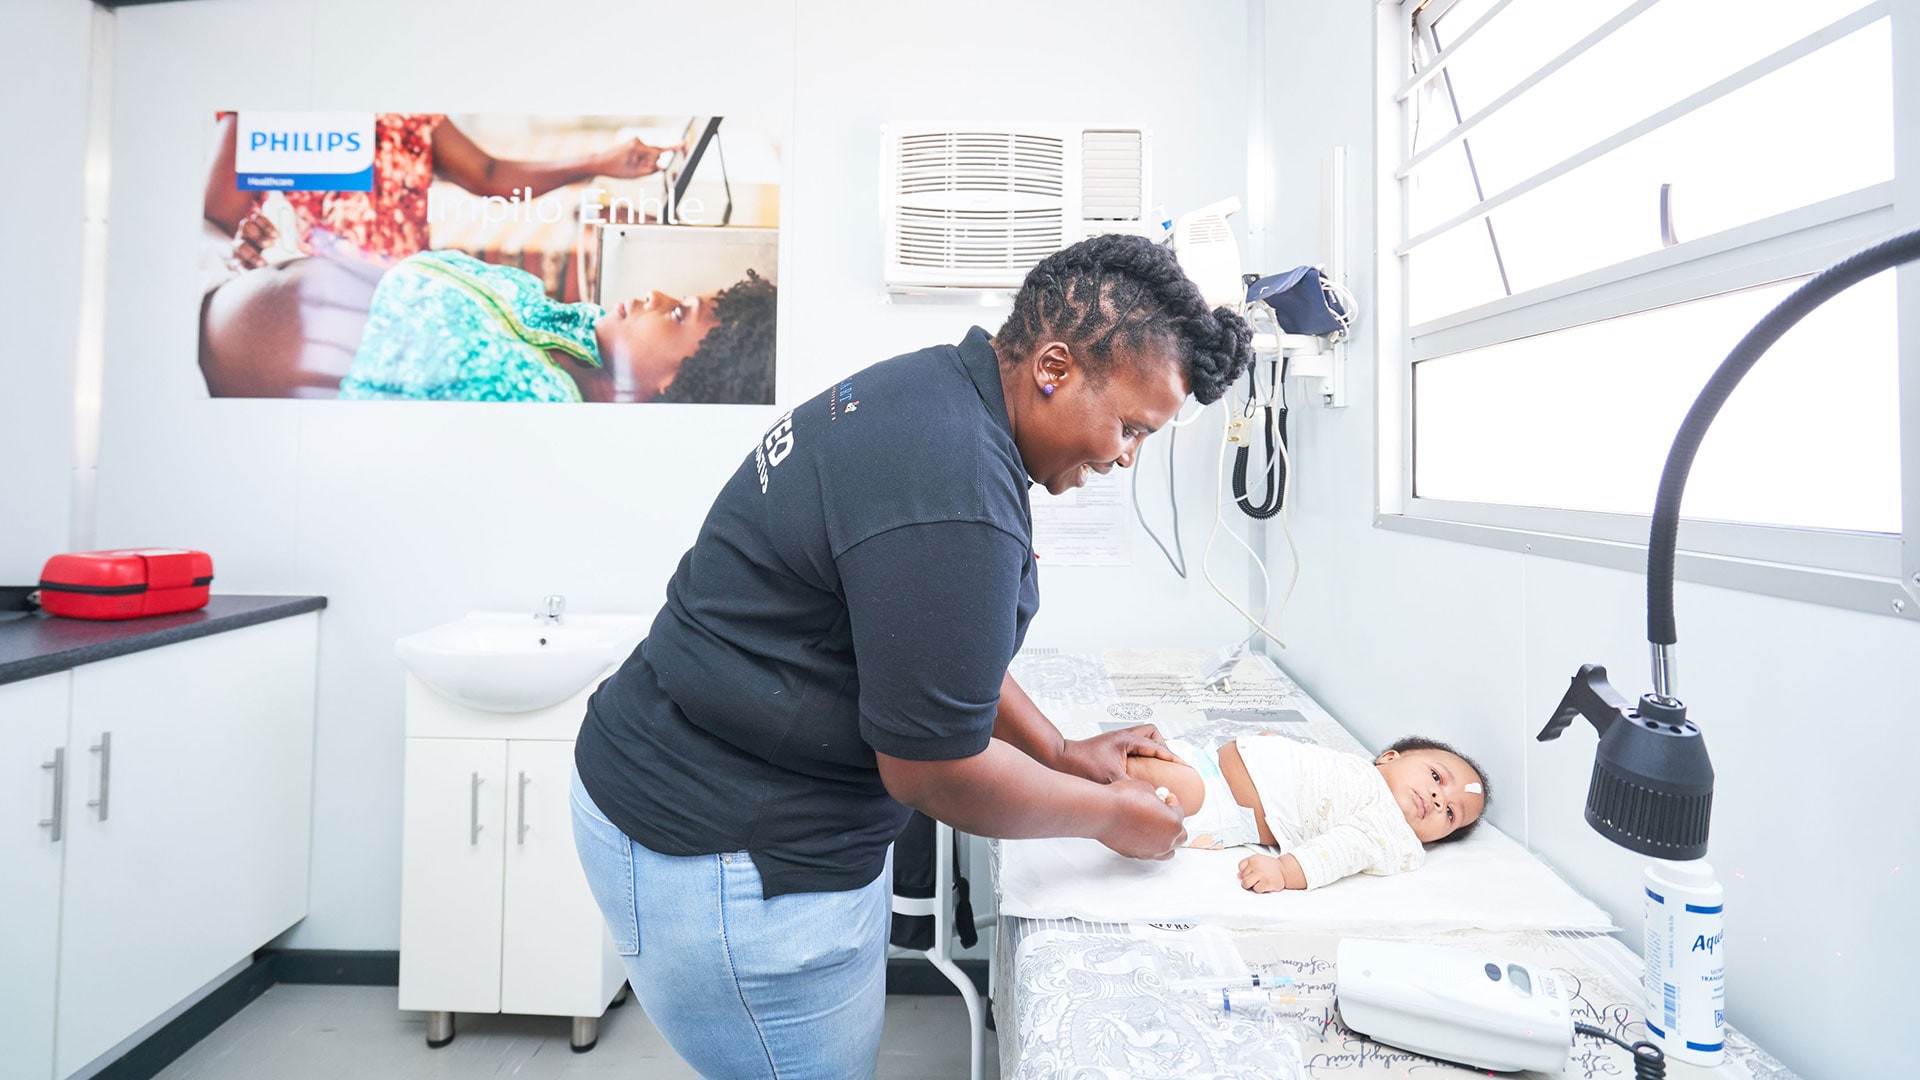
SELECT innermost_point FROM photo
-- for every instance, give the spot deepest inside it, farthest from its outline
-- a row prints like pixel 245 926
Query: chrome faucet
pixel 556 606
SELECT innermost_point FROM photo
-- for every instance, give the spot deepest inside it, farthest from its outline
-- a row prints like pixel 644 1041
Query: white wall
pixel 407 515
pixel 43 146
pixel 1808 710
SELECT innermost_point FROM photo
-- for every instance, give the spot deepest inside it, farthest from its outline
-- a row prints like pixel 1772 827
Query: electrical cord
pixel 1176 422
pixel 1219 507
pixel 1179 565
pixel 1649 1063
pixel 1341 305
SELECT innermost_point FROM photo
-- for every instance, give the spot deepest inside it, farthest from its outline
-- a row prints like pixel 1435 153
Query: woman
pixel 445 326
pixel 834 649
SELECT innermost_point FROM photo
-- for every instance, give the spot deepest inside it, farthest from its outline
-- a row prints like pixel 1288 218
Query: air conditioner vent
pixel 976 239
pixel 976 206
pixel 981 161
pixel 1112 175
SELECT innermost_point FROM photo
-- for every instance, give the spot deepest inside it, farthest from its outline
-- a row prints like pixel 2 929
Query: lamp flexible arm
pixel 1673 479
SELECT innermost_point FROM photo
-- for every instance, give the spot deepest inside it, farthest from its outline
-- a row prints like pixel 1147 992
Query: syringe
pixel 1251 980
pixel 1251 988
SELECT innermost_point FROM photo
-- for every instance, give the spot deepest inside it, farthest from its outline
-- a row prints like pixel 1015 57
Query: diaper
pixel 1273 765
pixel 1221 822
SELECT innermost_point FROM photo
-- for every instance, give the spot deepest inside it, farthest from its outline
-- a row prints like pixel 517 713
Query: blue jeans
pixel 740 985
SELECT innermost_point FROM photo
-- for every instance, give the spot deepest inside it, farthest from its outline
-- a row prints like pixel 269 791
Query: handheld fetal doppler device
pixel 1455 1004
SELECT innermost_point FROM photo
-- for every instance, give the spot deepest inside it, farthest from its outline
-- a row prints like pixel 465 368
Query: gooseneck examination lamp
pixel 1652 785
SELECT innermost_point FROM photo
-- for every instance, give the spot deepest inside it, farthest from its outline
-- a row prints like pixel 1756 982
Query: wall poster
pixel 490 257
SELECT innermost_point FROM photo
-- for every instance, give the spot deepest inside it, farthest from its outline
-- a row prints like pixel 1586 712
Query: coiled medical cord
pixel 1649 1063
pixel 1276 482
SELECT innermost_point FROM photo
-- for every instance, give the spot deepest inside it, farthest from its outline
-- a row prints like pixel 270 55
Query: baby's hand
pixel 1261 873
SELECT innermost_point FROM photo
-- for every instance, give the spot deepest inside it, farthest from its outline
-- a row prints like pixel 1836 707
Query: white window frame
pixel 1863 571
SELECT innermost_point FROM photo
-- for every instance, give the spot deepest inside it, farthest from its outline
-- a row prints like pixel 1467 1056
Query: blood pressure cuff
pixel 1299 304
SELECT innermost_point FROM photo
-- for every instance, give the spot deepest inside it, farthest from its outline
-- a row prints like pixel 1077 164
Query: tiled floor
pixel 295 1032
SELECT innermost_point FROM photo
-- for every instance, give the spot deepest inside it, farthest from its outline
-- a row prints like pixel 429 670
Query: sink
pixel 509 662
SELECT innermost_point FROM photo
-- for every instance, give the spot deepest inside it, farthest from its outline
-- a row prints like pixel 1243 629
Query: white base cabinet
pixel 185 812
pixel 33 773
pixel 451 875
pixel 495 912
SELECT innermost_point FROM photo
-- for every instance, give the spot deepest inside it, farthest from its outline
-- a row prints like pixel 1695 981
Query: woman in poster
pixel 445 326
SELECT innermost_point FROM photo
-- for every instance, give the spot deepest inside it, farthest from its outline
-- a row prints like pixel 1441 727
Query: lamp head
pixel 1652 785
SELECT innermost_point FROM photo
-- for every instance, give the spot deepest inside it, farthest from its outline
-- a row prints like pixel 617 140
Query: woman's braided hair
pixel 1121 292
pixel 734 363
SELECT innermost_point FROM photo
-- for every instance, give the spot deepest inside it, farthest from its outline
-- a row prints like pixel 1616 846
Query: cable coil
pixel 1649 1062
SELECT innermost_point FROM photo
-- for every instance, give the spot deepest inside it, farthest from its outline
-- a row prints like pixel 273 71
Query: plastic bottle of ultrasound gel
pixel 1684 949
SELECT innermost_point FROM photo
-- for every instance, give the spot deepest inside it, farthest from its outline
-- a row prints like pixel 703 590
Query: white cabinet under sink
pixel 451 875
pixel 556 955
pixel 495 911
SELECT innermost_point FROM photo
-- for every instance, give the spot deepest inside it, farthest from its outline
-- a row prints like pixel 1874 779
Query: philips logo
pixel 1706 944
pixel 303 151
pixel 304 141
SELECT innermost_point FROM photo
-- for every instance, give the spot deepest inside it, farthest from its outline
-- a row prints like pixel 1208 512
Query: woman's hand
pixel 251 240
pixel 631 158
pixel 1145 823
pixel 1103 758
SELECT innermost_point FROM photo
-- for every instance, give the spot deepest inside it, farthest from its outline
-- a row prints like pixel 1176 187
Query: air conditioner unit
pixel 968 208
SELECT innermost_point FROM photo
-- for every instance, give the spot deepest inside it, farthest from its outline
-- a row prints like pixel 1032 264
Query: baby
pixel 1331 813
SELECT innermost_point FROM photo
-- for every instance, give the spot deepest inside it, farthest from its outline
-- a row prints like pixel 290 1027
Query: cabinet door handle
pixel 105 749
pixel 475 808
pixel 59 766
pixel 523 809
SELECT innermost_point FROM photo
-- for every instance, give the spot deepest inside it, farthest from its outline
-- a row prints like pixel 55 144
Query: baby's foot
pixel 1261 873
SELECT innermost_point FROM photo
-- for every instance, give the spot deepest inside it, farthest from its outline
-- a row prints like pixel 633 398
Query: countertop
pixel 40 644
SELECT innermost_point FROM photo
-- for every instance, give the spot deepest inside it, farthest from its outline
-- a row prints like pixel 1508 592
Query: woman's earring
pixel 1047 389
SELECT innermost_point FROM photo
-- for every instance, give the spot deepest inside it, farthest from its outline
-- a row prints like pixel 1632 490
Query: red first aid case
pixel 125 584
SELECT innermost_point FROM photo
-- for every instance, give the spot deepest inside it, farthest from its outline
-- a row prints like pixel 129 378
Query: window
pixel 1595 201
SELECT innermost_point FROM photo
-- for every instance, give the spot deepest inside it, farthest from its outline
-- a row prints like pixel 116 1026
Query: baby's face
pixel 1431 788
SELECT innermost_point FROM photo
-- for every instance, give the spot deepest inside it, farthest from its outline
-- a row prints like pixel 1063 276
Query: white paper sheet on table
pixel 1486 881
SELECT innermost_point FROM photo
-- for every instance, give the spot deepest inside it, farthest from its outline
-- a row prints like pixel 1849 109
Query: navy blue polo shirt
pixel 860 584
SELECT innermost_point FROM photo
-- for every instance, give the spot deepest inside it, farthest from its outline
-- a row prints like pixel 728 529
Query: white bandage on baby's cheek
pixel 1475 789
